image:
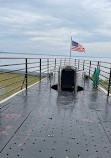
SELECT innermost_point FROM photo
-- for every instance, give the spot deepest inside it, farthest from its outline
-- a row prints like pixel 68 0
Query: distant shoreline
pixel 54 55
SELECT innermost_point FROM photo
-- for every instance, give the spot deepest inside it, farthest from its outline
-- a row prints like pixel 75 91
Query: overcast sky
pixel 46 26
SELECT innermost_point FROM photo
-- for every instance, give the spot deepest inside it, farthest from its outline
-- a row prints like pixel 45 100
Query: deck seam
pixel 16 130
pixel 103 127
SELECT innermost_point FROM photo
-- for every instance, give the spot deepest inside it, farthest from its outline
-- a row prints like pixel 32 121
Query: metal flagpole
pixel 71 46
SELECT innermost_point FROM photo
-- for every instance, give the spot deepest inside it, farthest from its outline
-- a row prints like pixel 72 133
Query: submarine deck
pixel 42 123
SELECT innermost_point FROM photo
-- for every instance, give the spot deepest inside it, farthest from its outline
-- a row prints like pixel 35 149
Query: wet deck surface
pixel 45 124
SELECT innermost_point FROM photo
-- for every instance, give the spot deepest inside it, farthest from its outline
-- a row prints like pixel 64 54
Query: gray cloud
pixel 40 26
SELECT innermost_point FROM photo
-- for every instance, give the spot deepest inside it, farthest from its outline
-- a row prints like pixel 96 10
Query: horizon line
pixel 53 55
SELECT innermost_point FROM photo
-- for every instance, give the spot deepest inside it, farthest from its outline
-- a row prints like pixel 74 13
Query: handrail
pixel 14 75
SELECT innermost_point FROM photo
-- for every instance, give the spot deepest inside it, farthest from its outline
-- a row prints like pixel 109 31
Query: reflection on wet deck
pixel 46 124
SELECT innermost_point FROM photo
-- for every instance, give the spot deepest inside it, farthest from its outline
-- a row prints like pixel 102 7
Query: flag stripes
pixel 77 47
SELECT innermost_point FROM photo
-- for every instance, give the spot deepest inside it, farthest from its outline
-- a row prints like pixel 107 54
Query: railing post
pixel 75 62
pixel 64 61
pixel 55 63
pixel 83 64
pixel 54 69
pixel 60 63
pixel 47 67
pixel 78 64
pixel 98 65
pixel 89 68
pixel 26 72
pixel 109 84
pixel 40 70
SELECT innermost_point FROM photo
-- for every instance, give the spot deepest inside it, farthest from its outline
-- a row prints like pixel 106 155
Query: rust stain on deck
pixel 4 132
pixel 12 116
pixel 20 144
pixel 86 120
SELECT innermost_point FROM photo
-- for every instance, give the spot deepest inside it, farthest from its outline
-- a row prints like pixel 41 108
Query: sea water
pixel 36 58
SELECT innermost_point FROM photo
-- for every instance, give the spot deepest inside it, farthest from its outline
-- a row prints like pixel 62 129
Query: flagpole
pixel 70 46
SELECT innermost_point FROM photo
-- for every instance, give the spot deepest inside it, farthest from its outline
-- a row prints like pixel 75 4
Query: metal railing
pixel 19 73
pixel 105 71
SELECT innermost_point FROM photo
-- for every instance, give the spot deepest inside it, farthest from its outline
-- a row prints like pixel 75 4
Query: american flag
pixel 77 47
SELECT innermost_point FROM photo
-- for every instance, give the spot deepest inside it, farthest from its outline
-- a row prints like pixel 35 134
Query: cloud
pixel 59 2
pixel 22 17
pixel 98 48
pixel 60 36
pixel 50 24
pixel 104 32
